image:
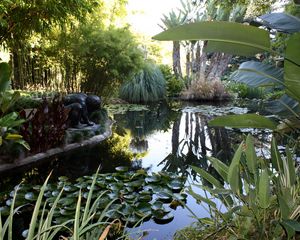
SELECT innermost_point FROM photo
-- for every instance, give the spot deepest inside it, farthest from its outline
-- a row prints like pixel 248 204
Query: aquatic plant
pixel 95 201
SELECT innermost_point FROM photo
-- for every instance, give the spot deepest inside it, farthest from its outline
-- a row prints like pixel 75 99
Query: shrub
pixel 174 85
pixel 45 127
pixel 205 90
pixel 147 86
pixel 242 90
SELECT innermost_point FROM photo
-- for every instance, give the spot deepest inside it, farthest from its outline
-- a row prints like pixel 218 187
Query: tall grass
pixel 147 86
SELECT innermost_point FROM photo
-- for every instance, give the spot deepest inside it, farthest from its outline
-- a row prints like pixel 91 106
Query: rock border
pixel 56 152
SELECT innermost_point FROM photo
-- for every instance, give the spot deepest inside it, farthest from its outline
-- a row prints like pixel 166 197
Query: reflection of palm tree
pixel 197 142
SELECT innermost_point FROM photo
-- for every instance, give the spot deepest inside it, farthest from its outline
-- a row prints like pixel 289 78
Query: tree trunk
pixel 218 65
pixel 176 59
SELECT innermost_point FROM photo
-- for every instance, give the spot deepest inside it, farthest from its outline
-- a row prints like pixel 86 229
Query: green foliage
pixel 8 121
pixel 106 58
pixel 146 86
pixel 244 91
pixel 174 85
pixel 93 202
pixel 45 126
pixel 18 20
pixel 265 198
pixel 228 37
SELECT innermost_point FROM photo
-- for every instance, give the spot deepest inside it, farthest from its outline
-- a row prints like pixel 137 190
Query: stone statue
pixel 81 106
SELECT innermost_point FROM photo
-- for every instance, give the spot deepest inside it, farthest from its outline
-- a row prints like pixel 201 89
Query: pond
pixel 165 137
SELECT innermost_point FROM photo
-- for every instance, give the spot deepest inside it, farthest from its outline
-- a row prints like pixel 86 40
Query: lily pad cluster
pixel 132 197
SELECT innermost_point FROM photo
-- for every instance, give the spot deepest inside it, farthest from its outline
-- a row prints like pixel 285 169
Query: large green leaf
pixel 281 22
pixel 292 67
pixel 210 178
pixel 291 226
pixel 264 193
pixel 220 167
pixel 257 74
pixel 243 121
pixel 234 178
pixel 284 106
pixel 238 38
pixel 275 156
pixel 251 157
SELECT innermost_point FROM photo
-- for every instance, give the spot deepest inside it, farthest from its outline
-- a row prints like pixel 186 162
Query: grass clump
pixel 205 90
pixel 146 86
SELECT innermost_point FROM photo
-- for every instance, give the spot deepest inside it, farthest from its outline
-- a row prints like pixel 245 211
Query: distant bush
pixel 174 85
pixel 242 90
pixel 149 85
pixel 205 90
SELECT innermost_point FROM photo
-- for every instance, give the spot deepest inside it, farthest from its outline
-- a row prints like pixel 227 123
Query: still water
pixel 161 138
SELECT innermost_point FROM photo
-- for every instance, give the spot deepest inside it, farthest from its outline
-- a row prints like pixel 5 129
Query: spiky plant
pixel 146 86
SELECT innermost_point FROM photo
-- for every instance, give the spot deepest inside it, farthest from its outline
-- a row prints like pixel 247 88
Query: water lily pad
pixel 176 186
pixel 30 196
pixel 164 197
pixel 63 178
pixel 67 201
pixel 165 219
pixel 4 210
pixel 69 188
pixel 65 212
pixel 157 205
pixel 153 179
pixel 121 169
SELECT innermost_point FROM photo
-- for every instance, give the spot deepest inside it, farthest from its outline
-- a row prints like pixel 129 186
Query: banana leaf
pixel 227 37
pixel 257 74
pixel 285 106
pixel 292 67
pixel 281 22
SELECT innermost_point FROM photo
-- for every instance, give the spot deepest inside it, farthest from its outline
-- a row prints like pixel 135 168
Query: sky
pixel 144 15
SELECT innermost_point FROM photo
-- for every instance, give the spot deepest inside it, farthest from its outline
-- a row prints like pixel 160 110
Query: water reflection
pixel 192 140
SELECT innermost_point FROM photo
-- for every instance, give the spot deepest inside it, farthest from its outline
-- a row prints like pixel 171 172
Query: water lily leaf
pixel 66 201
pixel 157 205
pixel 121 169
pixel 164 197
pixel 63 178
pixel 175 186
pixel 164 220
pixel 145 198
pixel 69 188
pixel 65 212
pixel 4 210
pixel 153 179
pixel 30 196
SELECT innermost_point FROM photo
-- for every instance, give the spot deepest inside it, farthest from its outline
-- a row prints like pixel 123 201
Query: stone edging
pixel 56 152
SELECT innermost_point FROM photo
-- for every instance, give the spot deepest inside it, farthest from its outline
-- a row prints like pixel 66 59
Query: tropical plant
pixel 8 121
pixel 231 38
pixel 261 196
pixel 146 86
pixel 45 126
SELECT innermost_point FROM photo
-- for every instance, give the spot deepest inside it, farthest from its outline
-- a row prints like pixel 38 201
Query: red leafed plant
pixel 45 126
